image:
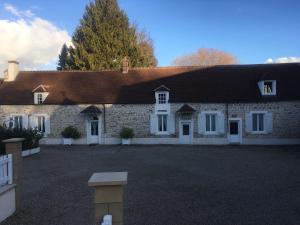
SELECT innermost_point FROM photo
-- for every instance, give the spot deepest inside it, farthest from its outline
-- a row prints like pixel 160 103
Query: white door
pixel 235 135
pixel 185 132
pixel 93 130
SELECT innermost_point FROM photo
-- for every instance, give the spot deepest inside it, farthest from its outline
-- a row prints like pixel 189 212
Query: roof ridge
pixel 163 67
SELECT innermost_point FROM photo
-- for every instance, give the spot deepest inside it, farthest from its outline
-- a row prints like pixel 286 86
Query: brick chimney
pixel 125 65
pixel 12 71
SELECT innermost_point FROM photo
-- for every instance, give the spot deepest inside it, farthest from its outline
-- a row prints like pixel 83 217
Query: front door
pixel 186 133
pixel 235 135
pixel 93 130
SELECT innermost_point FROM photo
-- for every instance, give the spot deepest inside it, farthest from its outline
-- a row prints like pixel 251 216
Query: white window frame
pixel 44 120
pixel 166 116
pixel 13 119
pixel 264 131
pixel 158 93
pixel 261 85
pixel 205 132
pixel 37 99
pixel 210 114
pixel 34 119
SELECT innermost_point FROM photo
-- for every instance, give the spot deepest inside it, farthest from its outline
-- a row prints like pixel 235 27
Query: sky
pixel 255 31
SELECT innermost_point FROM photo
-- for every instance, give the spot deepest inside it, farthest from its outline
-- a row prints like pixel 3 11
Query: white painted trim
pixel 271 141
pixel 191 122
pixel 29 152
pixel 175 141
pixel 240 129
pixel 7 201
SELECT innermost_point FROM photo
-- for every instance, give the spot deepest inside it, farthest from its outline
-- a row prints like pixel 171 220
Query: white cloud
pixel 19 13
pixel 284 60
pixel 31 40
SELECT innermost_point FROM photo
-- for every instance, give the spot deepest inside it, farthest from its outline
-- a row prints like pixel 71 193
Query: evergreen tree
pixel 66 58
pixel 104 37
pixel 62 58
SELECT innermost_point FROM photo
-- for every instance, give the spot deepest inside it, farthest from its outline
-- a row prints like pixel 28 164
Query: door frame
pixel 88 130
pixel 191 123
pixel 240 124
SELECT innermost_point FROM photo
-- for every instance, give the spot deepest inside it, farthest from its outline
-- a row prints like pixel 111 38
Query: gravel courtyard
pixel 167 185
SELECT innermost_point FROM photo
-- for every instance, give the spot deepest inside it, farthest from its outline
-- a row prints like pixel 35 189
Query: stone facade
pixel 286 122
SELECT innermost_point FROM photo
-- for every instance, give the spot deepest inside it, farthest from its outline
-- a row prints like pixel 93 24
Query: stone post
pixel 14 146
pixel 109 195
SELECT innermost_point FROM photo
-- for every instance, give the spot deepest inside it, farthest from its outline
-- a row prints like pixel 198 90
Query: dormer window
pixel 267 87
pixel 40 94
pixel 162 98
pixel 39 98
pixel 162 95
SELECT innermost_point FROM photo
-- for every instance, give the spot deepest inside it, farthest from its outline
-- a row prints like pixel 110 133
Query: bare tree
pixel 205 57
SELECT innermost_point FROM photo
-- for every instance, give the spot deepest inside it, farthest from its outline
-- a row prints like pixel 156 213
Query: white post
pixel 10 169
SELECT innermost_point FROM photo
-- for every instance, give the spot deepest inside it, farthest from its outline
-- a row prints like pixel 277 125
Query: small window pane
pixel 254 122
pixel 261 122
pixel 162 99
pixel 213 122
pixel 186 129
pixel 268 87
pixel 41 124
pixel 18 122
pixel 162 123
pixel 207 118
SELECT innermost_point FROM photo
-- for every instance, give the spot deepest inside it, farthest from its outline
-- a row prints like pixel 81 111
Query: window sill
pixel 258 132
pixel 162 133
pixel 211 133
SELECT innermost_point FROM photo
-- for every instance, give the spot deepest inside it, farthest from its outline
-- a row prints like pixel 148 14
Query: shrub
pixel 126 133
pixel 71 132
pixel 32 137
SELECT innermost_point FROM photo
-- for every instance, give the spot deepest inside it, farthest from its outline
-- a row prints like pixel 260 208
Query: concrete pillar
pixel 109 195
pixel 14 146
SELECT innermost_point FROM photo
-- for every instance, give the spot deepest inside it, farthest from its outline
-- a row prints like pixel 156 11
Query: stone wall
pixel 286 119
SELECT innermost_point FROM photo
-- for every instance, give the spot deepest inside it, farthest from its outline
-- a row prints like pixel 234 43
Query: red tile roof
pixel 235 83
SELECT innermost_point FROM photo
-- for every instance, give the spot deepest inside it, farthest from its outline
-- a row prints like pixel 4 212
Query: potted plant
pixel 70 133
pixel 126 134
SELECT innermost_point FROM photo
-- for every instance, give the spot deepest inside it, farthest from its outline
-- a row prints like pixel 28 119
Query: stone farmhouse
pixel 234 104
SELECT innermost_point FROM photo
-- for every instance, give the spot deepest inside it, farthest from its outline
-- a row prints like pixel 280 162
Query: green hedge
pixel 31 136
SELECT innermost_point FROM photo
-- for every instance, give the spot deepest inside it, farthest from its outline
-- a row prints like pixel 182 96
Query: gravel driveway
pixel 167 185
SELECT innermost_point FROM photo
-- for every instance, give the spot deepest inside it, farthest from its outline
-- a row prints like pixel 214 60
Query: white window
pixel 18 122
pixel 41 127
pixel 258 122
pixel 162 98
pixel 267 87
pixel 39 98
pixel 210 122
pixel 162 123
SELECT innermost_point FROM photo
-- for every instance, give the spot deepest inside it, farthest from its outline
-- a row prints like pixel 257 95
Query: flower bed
pixel 31 137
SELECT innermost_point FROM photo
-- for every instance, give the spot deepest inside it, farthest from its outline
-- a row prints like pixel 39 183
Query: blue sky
pixel 252 30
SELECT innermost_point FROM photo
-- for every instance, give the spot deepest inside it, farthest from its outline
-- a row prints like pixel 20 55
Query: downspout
pixel 104 118
pixel 226 112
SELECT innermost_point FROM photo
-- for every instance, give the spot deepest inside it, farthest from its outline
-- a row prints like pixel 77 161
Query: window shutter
pixel 35 99
pixel 171 123
pixel 153 123
pixel 268 122
pixel 248 122
pixel 25 121
pixel 201 122
pixel 221 123
pixel 7 121
pixel 47 124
